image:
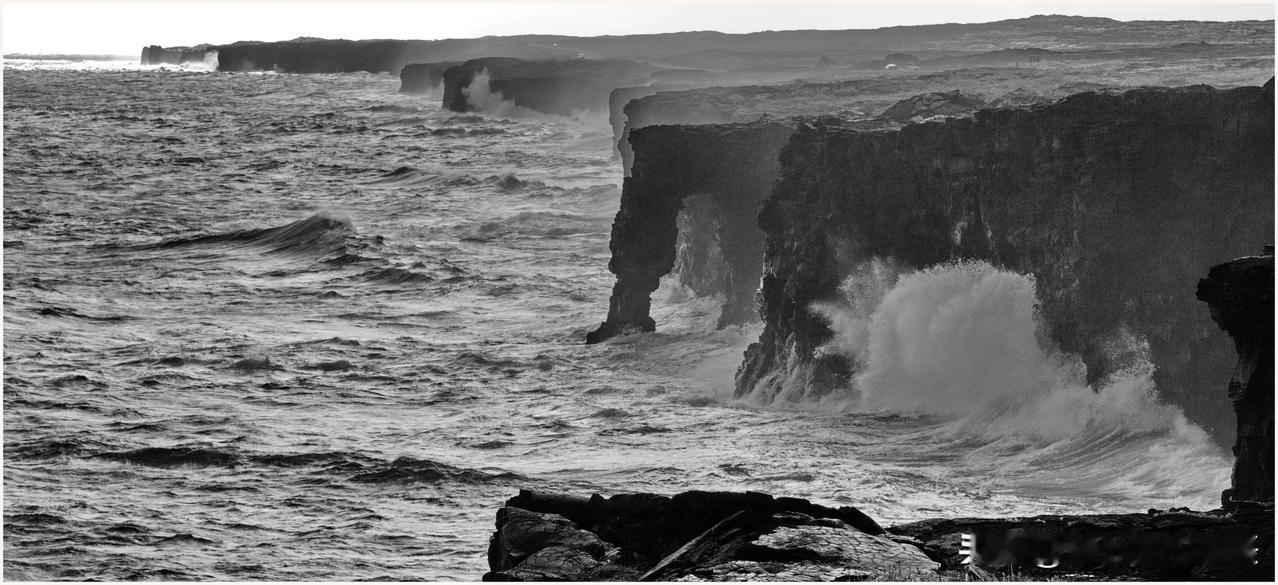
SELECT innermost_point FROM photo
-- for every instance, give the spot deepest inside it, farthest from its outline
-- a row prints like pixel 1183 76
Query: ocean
pixel 264 326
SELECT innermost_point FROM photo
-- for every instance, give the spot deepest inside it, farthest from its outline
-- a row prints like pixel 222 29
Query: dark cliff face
pixel 1241 296
pixel 321 56
pixel 1112 201
pixel 423 77
pixel 157 55
pixel 633 108
pixel 552 87
pixel 729 168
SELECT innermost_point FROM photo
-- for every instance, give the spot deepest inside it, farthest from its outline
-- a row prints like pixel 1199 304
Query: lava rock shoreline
pixel 1083 193
pixel 734 536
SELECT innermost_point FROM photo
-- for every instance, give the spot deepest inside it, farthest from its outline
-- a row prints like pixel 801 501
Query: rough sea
pixel 303 327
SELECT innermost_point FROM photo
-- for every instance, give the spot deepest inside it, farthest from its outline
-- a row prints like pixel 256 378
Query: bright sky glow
pixel 124 28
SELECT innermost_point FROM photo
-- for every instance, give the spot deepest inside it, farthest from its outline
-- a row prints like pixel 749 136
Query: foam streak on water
pixel 302 327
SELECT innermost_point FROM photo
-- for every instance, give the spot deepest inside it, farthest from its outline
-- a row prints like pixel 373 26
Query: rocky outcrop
pixel 733 536
pixel 692 535
pixel 1167 545
pixel 691 209
pixel 1241 296
pixel 157 55
pixel 732 167
pixel 551 87
pixel 1110 200
pixel 423 77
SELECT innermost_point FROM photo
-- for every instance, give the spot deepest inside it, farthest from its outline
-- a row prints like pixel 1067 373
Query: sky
pixel 115 28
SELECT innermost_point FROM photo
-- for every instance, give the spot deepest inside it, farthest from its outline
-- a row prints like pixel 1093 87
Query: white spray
pixel 482 99
pixel 962 341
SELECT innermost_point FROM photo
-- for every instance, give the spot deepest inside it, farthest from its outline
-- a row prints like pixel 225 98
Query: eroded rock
pixel 731 168
pixel 1108 199
pixel 693 535
pixel 1241 296
pixel 729 536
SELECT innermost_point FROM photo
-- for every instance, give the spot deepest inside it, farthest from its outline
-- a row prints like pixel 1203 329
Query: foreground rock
pixel 551 87
pixel 729 536
pixel 691 536
pixel 1171 545
pixel 1241 296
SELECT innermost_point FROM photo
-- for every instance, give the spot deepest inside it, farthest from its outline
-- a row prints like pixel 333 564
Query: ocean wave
pixel 173 457
pixel 322 233
pixel 396 275
pixel 411 470
pixel 962 344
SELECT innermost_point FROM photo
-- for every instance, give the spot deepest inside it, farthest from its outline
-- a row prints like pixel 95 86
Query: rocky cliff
pixel 1112 201
pixel 423 77
pixel 551 87
pixel 157 55
pixel 321 56
pixel 738 104
pixel 1241 296
pixel 729 169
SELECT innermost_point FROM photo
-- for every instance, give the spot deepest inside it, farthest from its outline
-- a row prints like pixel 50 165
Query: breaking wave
pixel 961 345
pixel 483 99
pixel 322 233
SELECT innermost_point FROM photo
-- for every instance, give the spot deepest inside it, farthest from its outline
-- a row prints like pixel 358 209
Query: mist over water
pixel 304 327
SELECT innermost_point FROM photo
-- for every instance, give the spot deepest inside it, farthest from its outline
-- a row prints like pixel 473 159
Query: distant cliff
pixel 320 56
pixel 1111 201
pixel 551 87
pixel 157 55
pixel 797 53
pixel 423 77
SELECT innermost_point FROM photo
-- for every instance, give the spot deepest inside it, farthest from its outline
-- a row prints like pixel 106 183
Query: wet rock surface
pixel 731 536
pixel 1176 544
pixel 689 536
